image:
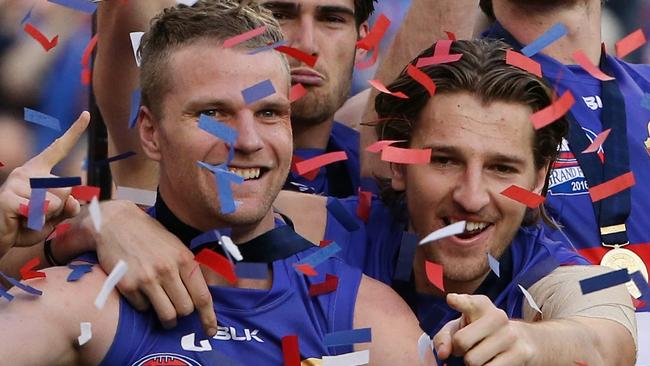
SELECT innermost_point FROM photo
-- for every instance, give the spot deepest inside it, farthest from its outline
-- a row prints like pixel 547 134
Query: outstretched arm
pixel 115 78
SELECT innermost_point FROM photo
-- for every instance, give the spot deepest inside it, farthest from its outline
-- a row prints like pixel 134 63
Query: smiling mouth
pixel 248 173
pixel 472 228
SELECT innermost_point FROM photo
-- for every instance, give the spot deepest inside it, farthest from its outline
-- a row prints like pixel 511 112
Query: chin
pixel 460 267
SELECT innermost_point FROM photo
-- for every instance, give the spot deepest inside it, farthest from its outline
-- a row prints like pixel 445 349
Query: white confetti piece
pixel 424 346
pixel 449 230
pixel 95 214
pixel 348 359
pixel 495 266
pixel 138 196
pixel 86 333
pixel 186 2
pixel 136 37
pixel 231 247
pixel 111 281
pixel 530 299
pixel 187 342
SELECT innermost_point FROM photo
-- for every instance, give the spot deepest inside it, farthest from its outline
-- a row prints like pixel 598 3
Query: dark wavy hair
pixel 363 9
pixel 483 72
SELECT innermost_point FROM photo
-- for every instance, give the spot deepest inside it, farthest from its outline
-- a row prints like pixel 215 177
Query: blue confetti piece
pixel 218 129
pixel 645 101
pixel 404 265
pixel 27 16
pixel 495 266
pixel 267 48
pixel 135 108
pixel 346 337
pixel 78 271
pixel 54 182
pixel 551 35
pixel 257 271
pixel 6 295
pixel 321 255
pixel 36 217
pixel 226 200
pixel 642 285
pixel 604 281
pixel 22 286
pixel 115 158
pixel 41 119
pixel 79 5
pixel 258 91
pixel 342 215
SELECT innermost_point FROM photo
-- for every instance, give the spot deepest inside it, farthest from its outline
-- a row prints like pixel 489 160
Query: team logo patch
pixel 166 359
pixel 567 178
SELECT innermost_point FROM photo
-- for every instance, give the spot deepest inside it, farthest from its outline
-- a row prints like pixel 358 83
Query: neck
pixel 527 22
pixel 311 136
pixel 423 286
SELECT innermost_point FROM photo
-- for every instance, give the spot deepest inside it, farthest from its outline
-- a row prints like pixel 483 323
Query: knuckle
pixel 460 343
pixel 163 268
pixel 203 299
pixel 185 309
pixel 167 315
pixel 470 360
pixel 147 278
pixel 185 258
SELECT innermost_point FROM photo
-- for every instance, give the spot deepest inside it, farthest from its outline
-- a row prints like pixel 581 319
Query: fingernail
pixel 212 332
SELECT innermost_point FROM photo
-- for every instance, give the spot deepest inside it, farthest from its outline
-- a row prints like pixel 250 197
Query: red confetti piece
pixel 218 263
pixel 362 65
pixel 1 164
pixel 40 37
pixel 298 55
pixel 382 88
pixel 85 193
pixel 553 112
pixel 329 285
pixel 27 270
pixel 611 187
pixel 310 175
pixel 441 55
pixel 422 78
pixel 85 76
pixel 380 145
pixel 233 41
pixel 598 142
pixel 290 350
pixel 324 243
pixel 23 209
pixel 320 161
pixel 363 208
pixel 638 304
pixel 434 274
pixel 375 35
pixel 85 58
pixel 399 155
pixel 521 195
pixel 580 363
pixel 525 63
pixel 306 269
pixel 59 230
pixel 581 59
pixel 297 91
pixel 451 35
pixel 630 43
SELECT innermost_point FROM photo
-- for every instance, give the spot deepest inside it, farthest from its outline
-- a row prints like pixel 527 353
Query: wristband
pixel 49 257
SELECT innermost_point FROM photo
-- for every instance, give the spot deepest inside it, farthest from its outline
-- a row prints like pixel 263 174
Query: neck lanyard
pixel 613 211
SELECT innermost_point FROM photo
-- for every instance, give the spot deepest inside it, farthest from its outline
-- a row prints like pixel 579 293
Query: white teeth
pixel 472 226
pixel 248 173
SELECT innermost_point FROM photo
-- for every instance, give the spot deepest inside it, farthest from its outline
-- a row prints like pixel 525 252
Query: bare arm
pixel 425 22
pixel 115 78
pixel 395 330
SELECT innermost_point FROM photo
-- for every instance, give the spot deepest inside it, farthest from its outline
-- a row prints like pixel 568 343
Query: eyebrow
pixel 451 150
pixel 291 6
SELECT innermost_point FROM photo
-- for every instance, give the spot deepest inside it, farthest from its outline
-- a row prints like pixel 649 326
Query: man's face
pixel 326 29
pixel 477 152
pixel 207 79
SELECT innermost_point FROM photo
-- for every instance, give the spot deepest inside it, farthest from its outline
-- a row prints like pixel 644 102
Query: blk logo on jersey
pixel 593 102
pixel 567 178
pixel 231 334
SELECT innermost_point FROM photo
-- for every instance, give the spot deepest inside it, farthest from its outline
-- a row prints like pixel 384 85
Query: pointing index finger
pixel 62 146
pixel 472 306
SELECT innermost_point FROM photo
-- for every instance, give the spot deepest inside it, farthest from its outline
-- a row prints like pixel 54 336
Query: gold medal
pixel 619 258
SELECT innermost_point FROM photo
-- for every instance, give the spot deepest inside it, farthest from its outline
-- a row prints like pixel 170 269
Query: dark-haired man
pixel 259 317
pixel 478 129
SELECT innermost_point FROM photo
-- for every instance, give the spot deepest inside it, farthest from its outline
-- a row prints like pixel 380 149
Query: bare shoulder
pixel 307 211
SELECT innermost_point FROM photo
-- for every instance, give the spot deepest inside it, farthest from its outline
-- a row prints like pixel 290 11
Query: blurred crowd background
pixel 50 82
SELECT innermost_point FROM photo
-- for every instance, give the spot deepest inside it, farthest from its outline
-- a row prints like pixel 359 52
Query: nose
pixel 248 138
pixel 471 192
pixel 302 35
